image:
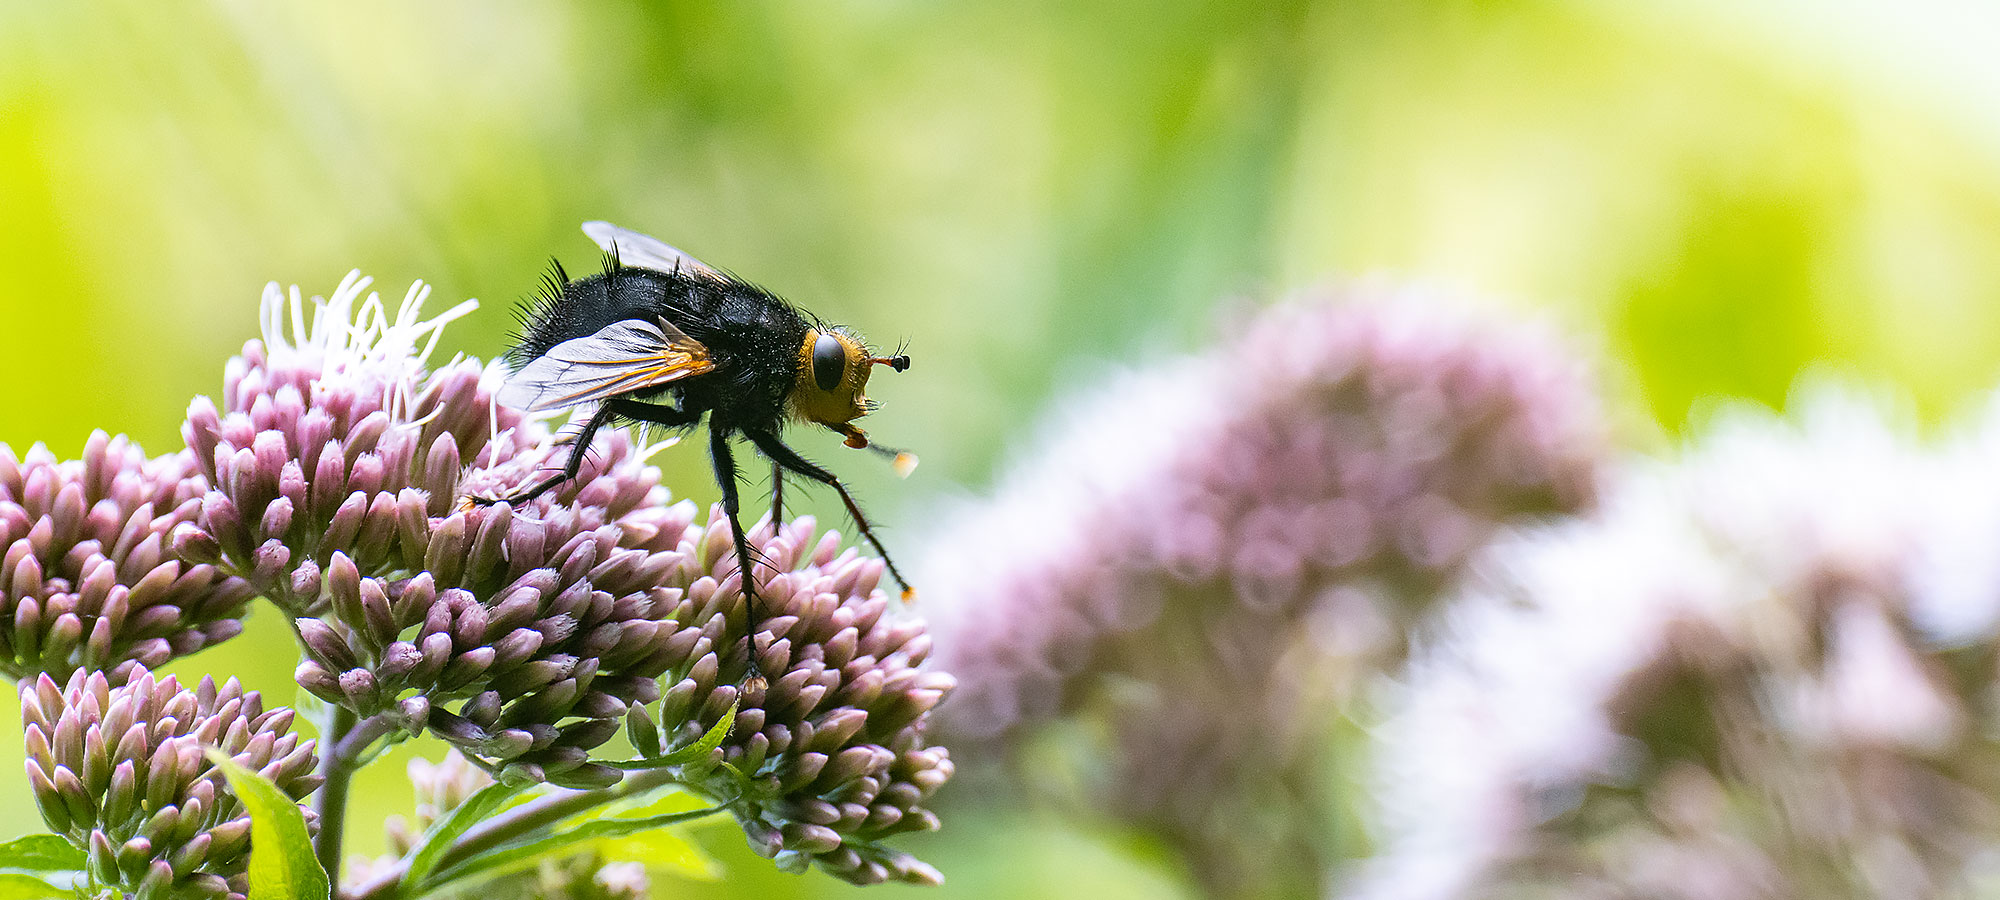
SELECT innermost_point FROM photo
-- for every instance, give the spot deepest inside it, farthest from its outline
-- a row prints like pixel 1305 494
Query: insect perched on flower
pixel 658 338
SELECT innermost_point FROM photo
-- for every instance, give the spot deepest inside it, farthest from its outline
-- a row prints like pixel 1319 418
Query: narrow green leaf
pixel 649 802
pixel 28 887
pixel 717 733
pixel 438 839
pixel 662 850
pixel 515 856
pixel 282 865
pixel 41 853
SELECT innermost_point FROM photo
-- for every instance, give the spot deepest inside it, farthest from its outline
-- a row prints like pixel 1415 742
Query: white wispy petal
pixel 349 334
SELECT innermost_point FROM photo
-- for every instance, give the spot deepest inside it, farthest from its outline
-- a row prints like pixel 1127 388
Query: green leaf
pixel 652 801
pixel 282 864
pixel 662 850
pixel 736 776
pixel 438 839
pixel 517 856
pixel 41 853
pixel 694 752
pixel 28 887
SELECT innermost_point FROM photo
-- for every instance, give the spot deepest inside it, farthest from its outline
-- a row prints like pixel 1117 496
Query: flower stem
pixel 355 742
pixel 547 811
pixel 338 769
pixel 514 823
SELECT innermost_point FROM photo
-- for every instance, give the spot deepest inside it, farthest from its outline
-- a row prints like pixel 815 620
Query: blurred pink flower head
pixel 1210 552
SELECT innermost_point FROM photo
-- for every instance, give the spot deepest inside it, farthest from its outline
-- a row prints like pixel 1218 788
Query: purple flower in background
pixel 587 877
pixel 1761 671
pixel 440 788
pixel 91 578
pixel 1208 553
pixel 120 772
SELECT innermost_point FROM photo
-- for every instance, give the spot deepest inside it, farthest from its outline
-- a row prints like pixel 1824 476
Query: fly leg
pixel 725 477
pixel 578 448
pixel 788 458
pixel 777 495
pixel 650 413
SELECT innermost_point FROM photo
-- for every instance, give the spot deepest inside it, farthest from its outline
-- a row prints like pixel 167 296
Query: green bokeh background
pixel 1714 199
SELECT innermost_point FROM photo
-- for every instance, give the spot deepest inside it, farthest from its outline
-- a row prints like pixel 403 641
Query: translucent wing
pixel 629 356
pixel 644 251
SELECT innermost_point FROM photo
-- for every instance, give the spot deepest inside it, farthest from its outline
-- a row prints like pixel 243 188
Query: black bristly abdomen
pixel 563 309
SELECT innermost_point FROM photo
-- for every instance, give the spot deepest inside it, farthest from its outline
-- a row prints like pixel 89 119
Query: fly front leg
pixel 789 459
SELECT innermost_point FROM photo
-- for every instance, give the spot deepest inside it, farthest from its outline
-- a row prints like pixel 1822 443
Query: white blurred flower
pixel 1740 677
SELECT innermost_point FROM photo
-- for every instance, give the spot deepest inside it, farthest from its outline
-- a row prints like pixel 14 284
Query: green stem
pixel 338 769
pixel 541 812
pixel 544 811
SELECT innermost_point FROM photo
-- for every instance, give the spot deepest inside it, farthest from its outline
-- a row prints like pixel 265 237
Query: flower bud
pixel 810 731
pixel 103 563
pixel 160 821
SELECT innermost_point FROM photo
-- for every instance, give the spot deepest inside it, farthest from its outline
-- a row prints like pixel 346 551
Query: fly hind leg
pixel 650 413
pixel 578 448
pixel 777 495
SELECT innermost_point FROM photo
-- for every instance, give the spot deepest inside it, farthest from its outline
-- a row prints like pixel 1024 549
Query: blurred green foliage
pixel 1717 199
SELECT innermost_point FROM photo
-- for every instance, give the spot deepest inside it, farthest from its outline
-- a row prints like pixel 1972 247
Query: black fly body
pixel 659 339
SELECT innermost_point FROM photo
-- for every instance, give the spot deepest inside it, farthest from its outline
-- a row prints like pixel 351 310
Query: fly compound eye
pixel 829 362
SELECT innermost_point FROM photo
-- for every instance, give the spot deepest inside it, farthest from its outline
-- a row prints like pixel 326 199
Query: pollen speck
pixel 905 463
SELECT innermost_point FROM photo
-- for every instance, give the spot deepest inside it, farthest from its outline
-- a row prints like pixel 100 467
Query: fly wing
pixel 629 356
pixel 644 251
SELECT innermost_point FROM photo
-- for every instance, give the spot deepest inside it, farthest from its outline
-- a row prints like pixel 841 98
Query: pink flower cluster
pixel 92 577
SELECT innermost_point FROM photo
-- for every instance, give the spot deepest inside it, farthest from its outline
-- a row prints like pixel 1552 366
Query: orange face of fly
pixel 833 374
